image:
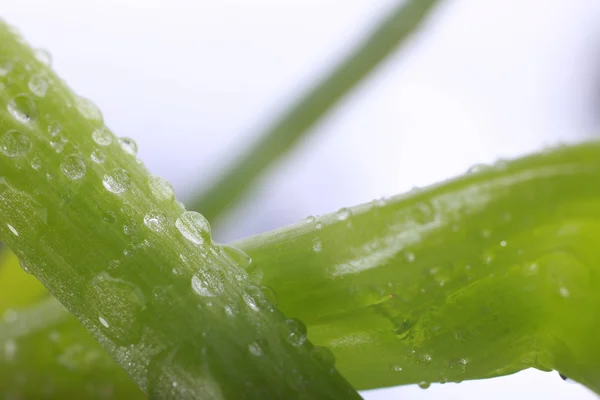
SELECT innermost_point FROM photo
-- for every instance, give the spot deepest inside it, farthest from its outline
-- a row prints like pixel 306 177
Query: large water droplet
pixel 88 109
pixel 194 227
pixel 128 145
pixel 14 143
pixel 155 221
pixel 160 188
pixel 38 85
pixel 22 108
pixel 73 167
pixel 116 181
pixel 343 214
pixel 102 136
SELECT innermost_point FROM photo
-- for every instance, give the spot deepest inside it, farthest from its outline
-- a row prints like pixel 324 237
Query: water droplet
pixel 317 245
pixel 503 243
pixel 231 310
pixel 269 294
pixel 564 292
pixel 155 221
pixel 10 349
pixel 36 163
pixel 236 255
pixel 409 257
pixel 296 332
pixel 395 368
pixel 88 109
pixel 54 128
pixel 14 143
pixel 38 85
pixel 6 66
pixel 194 227
pixel 160 188
pixel 12 229
pixel 343 214
pixel 251 301
pixel 43 56
pixel 98 156
pixel 425 358
pixel 477 168
pixel 310 219
pixel 116 181
pixel 58 143
pixel 24 266
pixel 255 349
pixel 102 136
pixel 424 385
pixel 73 167
pixel 103 322
pixel 128 145
pixel 22 108
pixel 208 282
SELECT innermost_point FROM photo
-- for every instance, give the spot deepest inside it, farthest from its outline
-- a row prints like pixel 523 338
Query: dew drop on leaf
pixel 14 143
pixel 236 255
pixel 22 108
pixel 255 349
pixel 128 145
pixel 12 229
pixel 424 385
pixel 98 156
pixel 102 136
pixel 296 332
pixel 88 109
pixel 43 56
pixel 54 128
pixel 194 227
pixel 343 214
pixel 38 85
pixel 116 181
pixel 161 189
pixel 73 167
pixel 155 221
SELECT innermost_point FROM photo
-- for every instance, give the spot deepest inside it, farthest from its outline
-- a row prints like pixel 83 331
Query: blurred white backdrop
pixel 193 80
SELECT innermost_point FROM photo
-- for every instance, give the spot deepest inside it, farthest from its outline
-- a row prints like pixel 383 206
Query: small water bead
pixel 194 227
pixel 54 128
pixel 296 332
pixel 475 168
pixel 269 294
pixel 102 136
pixel 310 219
pixel 236 255
pixel 116 181
pixel 343 214
pixel 103 322
pixel 503 243
pixel 317 245
pixel 38 85
pixel 88 109
pixel 208 283
pixel 98 156
pixel 12 229
pixel 255 349
pixel 73 167
pixel 250 301
pixel 564 292
pixel 395 368
pixel 424 385
pixel 160 188
pixel 36 163
pixel 22 108
pixel 128 145
pixel 58 143
pixel 14 143
pixel 425 358
pixel 155 221
pixel 43 56
pixel 6 66
pixel 409 257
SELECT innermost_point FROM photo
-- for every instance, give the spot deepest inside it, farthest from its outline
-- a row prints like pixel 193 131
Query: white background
pixel 193 80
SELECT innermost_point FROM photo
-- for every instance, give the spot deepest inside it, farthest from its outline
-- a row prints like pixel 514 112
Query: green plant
pixel 477 277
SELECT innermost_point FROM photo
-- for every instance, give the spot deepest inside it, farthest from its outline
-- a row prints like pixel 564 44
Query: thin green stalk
pixel 291 127
pixel 113 245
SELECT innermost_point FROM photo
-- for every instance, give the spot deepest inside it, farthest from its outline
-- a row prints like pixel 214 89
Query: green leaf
pixel 284 133
pixel 112 244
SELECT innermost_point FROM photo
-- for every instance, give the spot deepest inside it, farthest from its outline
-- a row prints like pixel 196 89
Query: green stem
pixel 481 276
pixel 288 129
pixel 112 244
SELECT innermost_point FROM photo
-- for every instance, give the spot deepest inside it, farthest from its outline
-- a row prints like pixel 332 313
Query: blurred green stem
pixel 289 128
